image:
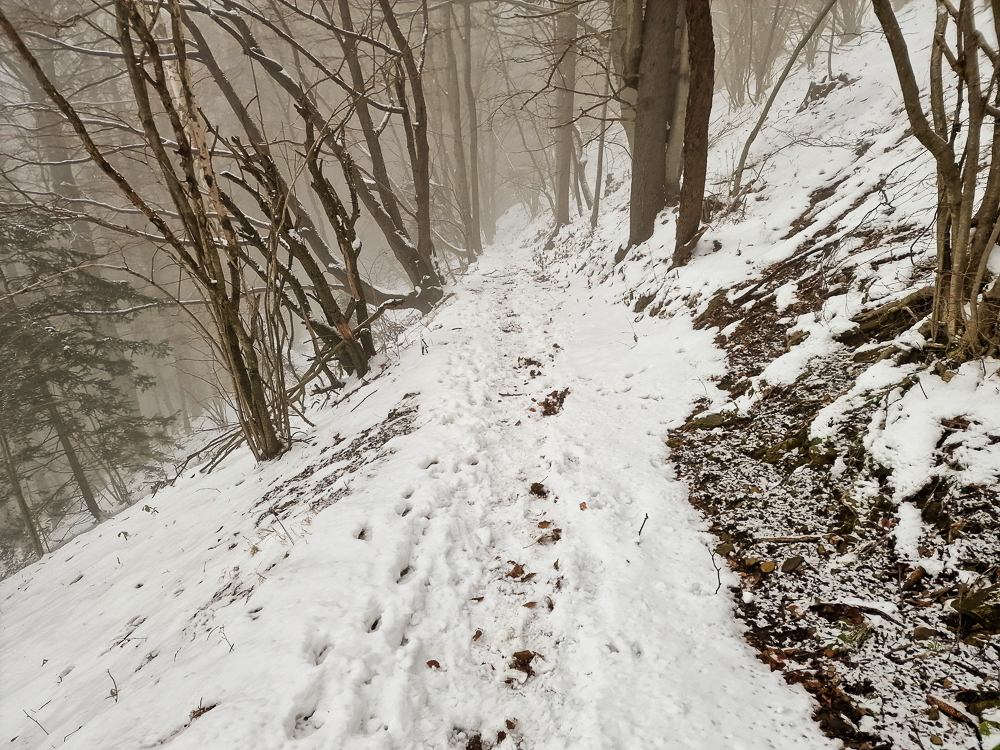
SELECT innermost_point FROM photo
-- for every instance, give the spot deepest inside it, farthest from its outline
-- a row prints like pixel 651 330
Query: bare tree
pixel 965 308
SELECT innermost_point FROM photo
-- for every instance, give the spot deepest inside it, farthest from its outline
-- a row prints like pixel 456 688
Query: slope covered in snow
pixel 454 552
pixel 452 557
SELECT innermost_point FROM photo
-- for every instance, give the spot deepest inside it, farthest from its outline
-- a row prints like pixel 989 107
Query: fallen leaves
pixel 553 403
pixel 521 661
pixel 583 506
pixel 538 490
pixel 477 636
pixel 433 664
pixel 551 538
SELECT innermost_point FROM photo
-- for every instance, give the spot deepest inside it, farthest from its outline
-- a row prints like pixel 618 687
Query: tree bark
pixel 565 78
pixel 652 113
pixel 701 53
pixel 626 49
pixel 675 135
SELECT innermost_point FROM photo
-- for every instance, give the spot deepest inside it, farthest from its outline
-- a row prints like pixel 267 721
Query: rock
pixel 792 563
pixel 795 337
pixel 643 302
pixel 711 421
pixel 983 607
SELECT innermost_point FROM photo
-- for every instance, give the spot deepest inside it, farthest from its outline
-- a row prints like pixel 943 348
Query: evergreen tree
pixel 70 432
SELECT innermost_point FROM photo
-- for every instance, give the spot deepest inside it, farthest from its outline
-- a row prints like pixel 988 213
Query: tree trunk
pixel 417 143
pixel 681 77
pixel 626 52
pixel 15 484
pixel 565 80
pixel 652 113
pixel 382 183
pixel 79 475
pixel 454 104
pixel 701 53
pixel 470 102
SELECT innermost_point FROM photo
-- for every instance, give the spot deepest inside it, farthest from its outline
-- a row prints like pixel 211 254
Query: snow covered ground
pixel 440 564
pixel 435 599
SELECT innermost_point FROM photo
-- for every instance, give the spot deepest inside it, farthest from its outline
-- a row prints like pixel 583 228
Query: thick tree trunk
pixel 626 52
pixel 701 52
pixel 652 113
pixel 681 78
pixel 565 81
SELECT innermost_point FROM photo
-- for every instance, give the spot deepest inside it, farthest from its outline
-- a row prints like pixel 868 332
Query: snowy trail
pixel 631 645
pixel 395 620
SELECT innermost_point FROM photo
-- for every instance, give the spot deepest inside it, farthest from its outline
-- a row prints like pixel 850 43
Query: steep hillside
pixel 847 468
pixel 534 526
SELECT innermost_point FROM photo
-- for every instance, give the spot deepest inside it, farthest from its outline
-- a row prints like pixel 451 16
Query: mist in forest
pixel 214 213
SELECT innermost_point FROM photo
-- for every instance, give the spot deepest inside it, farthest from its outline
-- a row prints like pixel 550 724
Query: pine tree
pixel 69 428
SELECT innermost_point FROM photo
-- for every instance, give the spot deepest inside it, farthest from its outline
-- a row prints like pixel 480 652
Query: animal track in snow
pixel 304 725
pixel 320 653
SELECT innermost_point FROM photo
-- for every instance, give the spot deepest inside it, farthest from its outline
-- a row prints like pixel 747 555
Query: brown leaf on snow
pixel 477 598
pixel 552 538
pixel 531 605
pixel 538 490
pixel 433 664
pixel 511 723
pixel 478 635
pixel 528 577
pixel 522 663
pixel 583 506
pixel 544 524
pixel 553 403
pixel 556 566
pixel 517 571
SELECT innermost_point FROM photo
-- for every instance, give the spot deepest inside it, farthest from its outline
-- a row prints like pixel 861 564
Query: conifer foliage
pixel 72 441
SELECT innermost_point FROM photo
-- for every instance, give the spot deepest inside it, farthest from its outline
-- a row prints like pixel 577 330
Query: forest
pixel 520 352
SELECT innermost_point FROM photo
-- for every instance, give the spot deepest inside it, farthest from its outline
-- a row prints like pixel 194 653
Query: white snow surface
pixel 303 635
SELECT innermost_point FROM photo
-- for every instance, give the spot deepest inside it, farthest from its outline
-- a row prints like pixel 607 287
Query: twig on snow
pixel 36 721
pixel 643 525
pixel 114 691
pixel 718 572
